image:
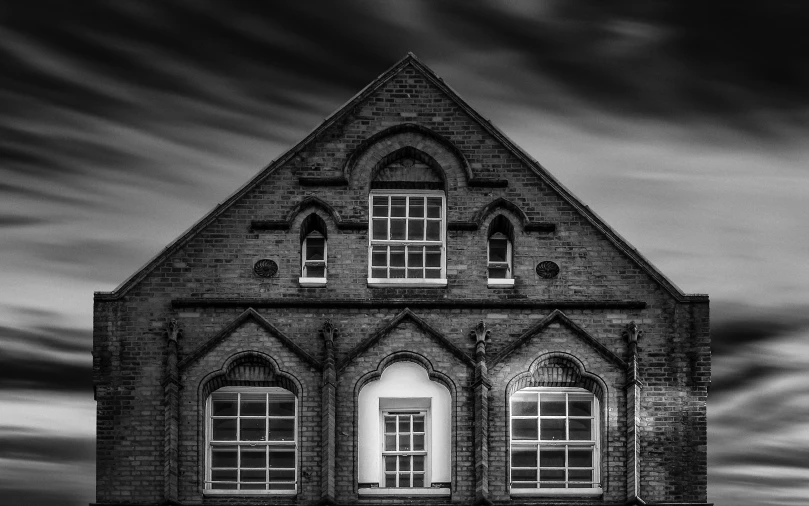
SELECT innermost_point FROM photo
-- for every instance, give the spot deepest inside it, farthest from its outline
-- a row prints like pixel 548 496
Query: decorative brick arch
pixel 558 369
pixel 249 369
pixel 365 159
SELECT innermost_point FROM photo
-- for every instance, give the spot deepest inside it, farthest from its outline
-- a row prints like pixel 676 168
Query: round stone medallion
pixel 265 268
pixel 547 269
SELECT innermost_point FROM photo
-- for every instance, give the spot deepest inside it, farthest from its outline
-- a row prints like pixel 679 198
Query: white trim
pixel 409 282
pixel 500 283
pixel 404 491
pixel 551 492
pixel 250 492
pixel 312 282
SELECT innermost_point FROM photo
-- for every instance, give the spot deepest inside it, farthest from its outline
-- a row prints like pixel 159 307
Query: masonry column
pixel 328 420
pixel 633 389
pixel 481 387
pixel 171 415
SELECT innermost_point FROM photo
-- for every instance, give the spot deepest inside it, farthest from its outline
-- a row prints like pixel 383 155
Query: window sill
pixel 250 492
pixel 406 283
pixel 556 492
pixel 500 283
pixel 403 491
pixel 312 282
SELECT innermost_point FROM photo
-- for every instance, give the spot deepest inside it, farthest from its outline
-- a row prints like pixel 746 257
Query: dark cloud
pixel 9 221
pixel 734 326
pixel 46 447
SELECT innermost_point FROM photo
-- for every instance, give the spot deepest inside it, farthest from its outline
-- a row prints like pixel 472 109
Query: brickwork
pixel 602 286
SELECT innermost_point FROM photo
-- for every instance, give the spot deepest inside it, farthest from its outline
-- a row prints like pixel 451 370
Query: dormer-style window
pixel 499 254
pixel 314 252
pixel 407 238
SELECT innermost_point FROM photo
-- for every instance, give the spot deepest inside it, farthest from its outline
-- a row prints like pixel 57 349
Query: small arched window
pixel 499 253
pixel 314 252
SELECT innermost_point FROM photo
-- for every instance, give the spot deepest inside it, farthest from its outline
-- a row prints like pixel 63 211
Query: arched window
pixel 251 441
pixel 314 253
pixel 554 442
pixel 404 434
pixel 499 253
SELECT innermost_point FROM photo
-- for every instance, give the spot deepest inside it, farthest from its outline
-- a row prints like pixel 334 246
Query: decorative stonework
pixel 480 333
pixel 173 330
pixel 265 268
pixel 632 333
pixel 547 269
pixel 329 331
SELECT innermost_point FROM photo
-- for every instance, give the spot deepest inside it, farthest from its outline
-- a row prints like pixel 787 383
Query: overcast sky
pixel 684 125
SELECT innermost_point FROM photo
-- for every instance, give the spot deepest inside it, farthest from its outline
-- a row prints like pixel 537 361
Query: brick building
pixel 403 307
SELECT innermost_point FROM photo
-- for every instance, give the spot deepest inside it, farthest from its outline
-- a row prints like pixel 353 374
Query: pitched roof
pixel 408 61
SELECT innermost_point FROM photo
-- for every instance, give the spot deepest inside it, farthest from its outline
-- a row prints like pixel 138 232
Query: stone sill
pixel 556 492
pixel 403 491
pixel 406 283
pixel 312 282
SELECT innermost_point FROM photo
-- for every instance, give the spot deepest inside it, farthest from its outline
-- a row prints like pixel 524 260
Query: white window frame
pixel 509 279
pixel 442 243
pixel 425 453
pixel 269 446
pixel 305 280
pixel 594 444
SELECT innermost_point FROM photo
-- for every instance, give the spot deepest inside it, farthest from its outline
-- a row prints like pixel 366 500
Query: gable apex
pixel 409 61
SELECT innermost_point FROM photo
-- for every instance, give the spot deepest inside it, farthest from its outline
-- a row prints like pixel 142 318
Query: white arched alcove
pixel 404 386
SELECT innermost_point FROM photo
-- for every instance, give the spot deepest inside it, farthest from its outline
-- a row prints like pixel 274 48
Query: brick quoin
pixel 608 322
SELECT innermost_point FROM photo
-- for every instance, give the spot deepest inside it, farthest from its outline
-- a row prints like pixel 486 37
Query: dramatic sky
pixel 683 124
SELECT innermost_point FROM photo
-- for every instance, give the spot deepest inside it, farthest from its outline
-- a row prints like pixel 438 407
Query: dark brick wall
pixel 129 331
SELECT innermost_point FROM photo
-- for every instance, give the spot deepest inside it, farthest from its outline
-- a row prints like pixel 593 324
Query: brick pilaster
pixel 633 393
pixel 328 416
pixel 171 415
pixel 481 387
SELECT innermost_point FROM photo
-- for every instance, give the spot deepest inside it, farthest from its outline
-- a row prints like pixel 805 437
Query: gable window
pixel 251 441
pixel 554 442
pixel 314 253
pixel 499 253
pixel 403 434
pixel 407 238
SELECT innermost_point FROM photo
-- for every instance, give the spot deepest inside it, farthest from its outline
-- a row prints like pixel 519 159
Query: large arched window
pixel 554 441
pixel 251 441
pixel 404 432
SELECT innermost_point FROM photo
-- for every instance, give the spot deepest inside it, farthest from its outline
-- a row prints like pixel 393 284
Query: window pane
pixel 221 475
pixel 552 429
pixel 314 272
pixel 434 207
pixel 518 484
pixel 415 273
pixel 390 480
pixel 415 230
pixel 397 273
pixel 224 486
pixel 397 256
pixel 397 229
pixel 418 442
pixel 433 273
pixel 225 457
pixel 380 205
pixel 418 480
pixel 252 429
pixel 433 231
pixel 418 462
pixel 551 404
pixel 390 424
pixel 524 458
pixel 524 429
pixel 224 404
pixel 498 273
pixel 404 480
pixel 404 443
pixel 418 424
pixel 580 429
pixel 397 206
pixel 380 229
pixel 282 459
pixel 498 250
pixel 432 256
pixel 580 406
pixel 524 475
pixel 404 424
pixel 254 458
pixel 524 405
pixel 379 273
pixel 580 475
pixel 551 458
pixel 390 463
pixel 379 256
pixel 415 256
pixel 315 248
pixel 283 475
pixel 253 405
pixel 224 430
pixel 552 474
pixel 416 207
pixel 254 476
pixel 390 443
pixel 281 429
pixel 404 463
pixel 580 458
